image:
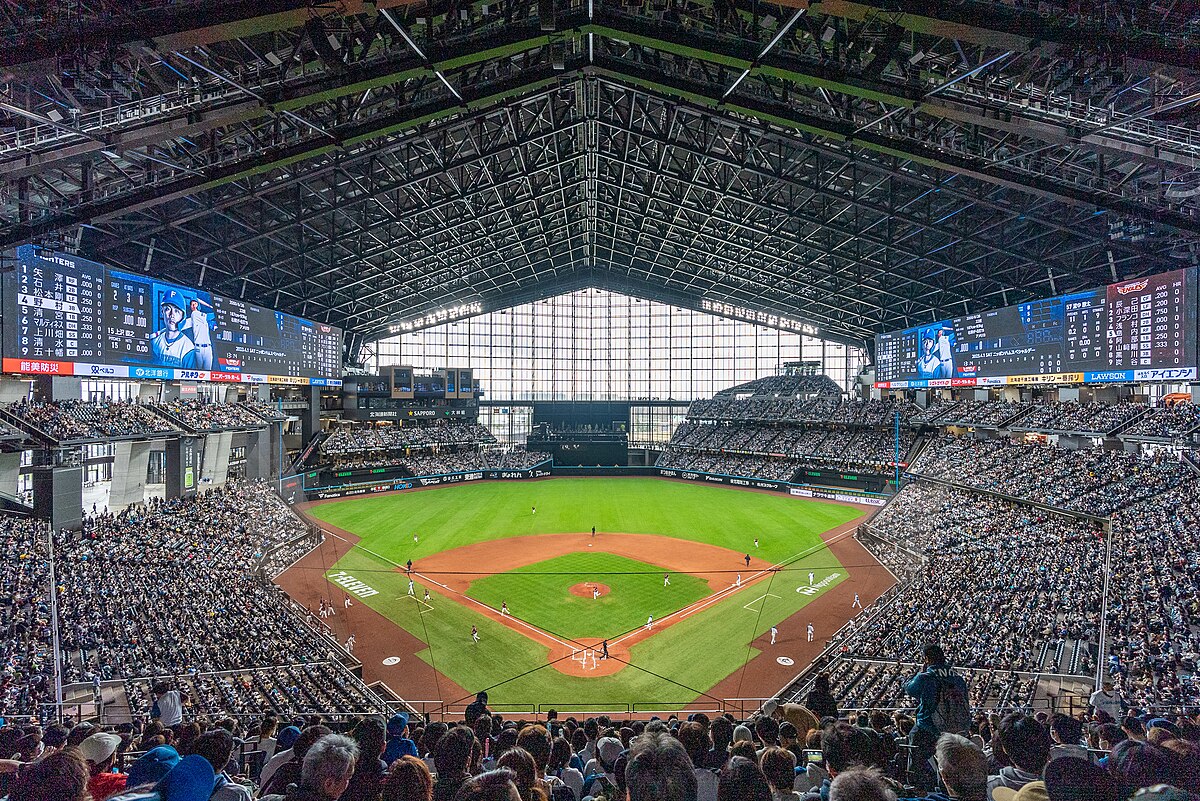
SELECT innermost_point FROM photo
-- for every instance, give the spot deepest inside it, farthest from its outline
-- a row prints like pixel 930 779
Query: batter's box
pixel 750 605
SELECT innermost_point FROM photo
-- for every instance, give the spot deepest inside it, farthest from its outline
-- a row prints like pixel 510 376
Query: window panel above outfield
pixel 599 345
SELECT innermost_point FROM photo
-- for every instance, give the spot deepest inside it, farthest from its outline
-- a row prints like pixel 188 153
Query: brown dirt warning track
pixel 379 638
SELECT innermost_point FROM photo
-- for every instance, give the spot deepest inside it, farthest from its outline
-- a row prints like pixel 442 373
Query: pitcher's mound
pixel 585 590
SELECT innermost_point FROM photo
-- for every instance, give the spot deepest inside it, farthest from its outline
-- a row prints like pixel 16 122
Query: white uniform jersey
pixel 173 353
pixel 200 330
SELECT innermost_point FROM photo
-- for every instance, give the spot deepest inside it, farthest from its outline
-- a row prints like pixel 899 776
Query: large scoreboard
pixel 64 315
pixel 1140 330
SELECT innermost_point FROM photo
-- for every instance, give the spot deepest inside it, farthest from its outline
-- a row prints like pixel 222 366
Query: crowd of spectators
pixel 1153 640
pixel 26 655
pixel 787 752
pixel 1166 422
pixel 821 409
pixel 86 420
pixel 1085 418
pixel 179 586
pixel 199 414
pixel 369 439
pixel 1004 586
pixel 1091 480
pixel 990 413
pixel 326 687
pixel 759 450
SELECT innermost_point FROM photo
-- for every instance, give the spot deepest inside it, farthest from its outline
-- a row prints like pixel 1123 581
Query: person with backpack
pixel 942 707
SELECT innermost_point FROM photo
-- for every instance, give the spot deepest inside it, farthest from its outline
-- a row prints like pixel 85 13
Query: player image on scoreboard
pixel 184 334
pixel 935 357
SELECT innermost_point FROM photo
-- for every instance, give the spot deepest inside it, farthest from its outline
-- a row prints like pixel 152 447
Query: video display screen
pixel 70 316
pixel 1140 330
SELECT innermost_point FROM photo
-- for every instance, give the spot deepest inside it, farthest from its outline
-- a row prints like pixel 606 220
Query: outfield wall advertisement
pixel 777 486
pixel 372 488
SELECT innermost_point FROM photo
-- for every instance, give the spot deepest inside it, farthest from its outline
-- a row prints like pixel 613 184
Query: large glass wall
pixel 599 345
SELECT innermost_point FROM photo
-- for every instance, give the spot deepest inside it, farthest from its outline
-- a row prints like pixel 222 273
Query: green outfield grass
pixel 686 659
pixel 540 594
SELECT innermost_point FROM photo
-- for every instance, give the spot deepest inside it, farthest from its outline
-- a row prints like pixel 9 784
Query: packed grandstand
pixel 1036 568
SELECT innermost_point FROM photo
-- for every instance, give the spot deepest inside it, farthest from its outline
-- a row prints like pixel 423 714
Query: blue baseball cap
pixel 174 298
pixel 152 766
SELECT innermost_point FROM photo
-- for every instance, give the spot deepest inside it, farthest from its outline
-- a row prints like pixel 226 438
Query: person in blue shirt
pixel 398 744
pixel 925 688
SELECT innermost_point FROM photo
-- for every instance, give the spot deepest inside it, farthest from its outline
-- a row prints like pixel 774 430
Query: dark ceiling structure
pixel 859 165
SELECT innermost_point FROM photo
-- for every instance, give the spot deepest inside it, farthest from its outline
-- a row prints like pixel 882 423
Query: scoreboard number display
pixel 69 316
pixel 1139 330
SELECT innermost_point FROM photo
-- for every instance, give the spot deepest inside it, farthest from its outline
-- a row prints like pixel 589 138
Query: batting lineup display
pixel 1139 330
pixel 69 316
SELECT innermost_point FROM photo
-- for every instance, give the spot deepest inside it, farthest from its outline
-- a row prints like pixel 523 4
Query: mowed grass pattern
pixel 680 662
pixel 463 514
pixel 540 594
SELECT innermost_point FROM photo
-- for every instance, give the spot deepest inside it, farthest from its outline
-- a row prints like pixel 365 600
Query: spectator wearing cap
pixel 659 770
pixel 603 778
pixel 398 744
pixel 216 746
pixel 694 739
pixel 190 779
pixel 1025 743
pixel 99 750
pixel 152 766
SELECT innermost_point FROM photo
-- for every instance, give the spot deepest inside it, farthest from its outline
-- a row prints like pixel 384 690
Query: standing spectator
pixel 477 707
pixel 168 705
pixel 560 768
pixel 1107 700
pixel 694 739
pixel 930 687
pixel 820 700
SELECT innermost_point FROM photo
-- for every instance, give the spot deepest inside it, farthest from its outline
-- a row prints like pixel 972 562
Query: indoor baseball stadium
pixel 599 400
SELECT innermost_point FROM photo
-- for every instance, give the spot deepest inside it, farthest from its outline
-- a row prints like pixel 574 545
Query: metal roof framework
pixel 862 166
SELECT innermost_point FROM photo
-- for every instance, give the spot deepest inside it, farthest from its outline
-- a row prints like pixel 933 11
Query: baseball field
pixel 681 583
